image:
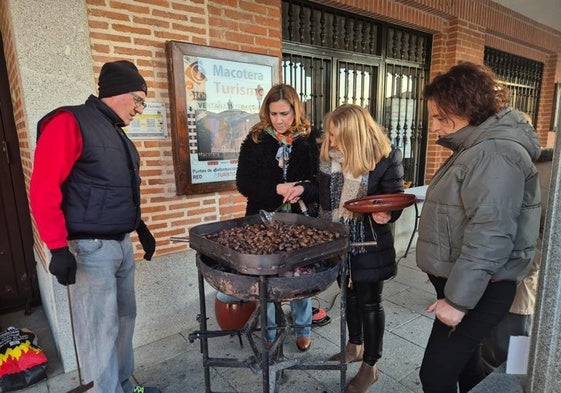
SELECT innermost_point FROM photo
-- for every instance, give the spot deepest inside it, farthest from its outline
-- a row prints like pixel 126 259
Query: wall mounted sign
pixel 151 124
pixel 215 97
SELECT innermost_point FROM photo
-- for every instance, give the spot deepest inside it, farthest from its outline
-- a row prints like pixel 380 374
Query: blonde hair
pixel 280 92
pixel 361 140
pixel 527 117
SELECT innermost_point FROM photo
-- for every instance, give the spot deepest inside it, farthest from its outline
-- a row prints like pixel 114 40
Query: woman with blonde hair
pixel 357 160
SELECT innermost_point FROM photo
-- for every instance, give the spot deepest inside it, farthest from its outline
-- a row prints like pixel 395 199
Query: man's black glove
pixel 63 265
pixel 146 239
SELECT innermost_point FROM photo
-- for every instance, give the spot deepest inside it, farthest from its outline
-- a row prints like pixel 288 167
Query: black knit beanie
pixel 119 77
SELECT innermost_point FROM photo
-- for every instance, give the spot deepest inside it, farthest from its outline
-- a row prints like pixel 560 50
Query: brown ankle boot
pixel 364 378
pixel 353 353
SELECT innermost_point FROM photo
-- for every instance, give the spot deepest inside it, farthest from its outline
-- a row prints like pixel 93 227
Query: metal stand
pixel 414 230
pixel 420 193
pixel 270 360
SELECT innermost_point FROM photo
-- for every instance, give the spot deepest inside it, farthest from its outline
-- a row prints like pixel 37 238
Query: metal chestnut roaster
pixel 266 278
pixel 247 266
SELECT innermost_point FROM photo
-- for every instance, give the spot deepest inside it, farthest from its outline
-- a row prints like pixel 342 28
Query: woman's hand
pixel 445 313
pixel 381 217
pixel 293 195
pixel 284 188
pixel 290 192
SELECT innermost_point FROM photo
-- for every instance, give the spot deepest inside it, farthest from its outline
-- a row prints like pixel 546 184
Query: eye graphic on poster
pixel 216 95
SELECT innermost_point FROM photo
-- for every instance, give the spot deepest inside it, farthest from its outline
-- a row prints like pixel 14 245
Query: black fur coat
pixel 259 173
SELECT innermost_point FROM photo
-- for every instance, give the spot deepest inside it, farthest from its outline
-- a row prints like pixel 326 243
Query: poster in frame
pixel 215 97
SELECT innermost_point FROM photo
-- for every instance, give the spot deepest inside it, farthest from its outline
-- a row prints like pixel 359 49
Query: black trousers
pixel 366 319
pixel 495 346
pixel 453 356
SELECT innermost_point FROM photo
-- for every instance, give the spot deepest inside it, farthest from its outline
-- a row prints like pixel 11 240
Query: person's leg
pixel 489 347
pixel 353 317
pixel 354 348
pixel 369 295
pixel 438 373
pixel 271 322
pixel 126 303
pixel 495 344
pixel 302 317
pixel 491 309
pixel 473 371
pixel 95 311
pixel 450 353
pixel 373 319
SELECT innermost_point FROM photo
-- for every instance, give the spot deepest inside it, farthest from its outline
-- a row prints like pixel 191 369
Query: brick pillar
pixel 459 41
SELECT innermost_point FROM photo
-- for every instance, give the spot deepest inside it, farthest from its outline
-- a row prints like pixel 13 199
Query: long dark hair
pixel 469 91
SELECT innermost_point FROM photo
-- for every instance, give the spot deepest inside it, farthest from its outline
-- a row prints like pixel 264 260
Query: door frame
pixel 18 278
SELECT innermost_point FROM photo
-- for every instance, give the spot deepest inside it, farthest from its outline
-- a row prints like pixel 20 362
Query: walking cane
pixel 83 387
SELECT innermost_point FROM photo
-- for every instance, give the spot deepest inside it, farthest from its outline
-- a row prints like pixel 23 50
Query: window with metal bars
pixel 522 76
pixel 310 76
pixel 333 57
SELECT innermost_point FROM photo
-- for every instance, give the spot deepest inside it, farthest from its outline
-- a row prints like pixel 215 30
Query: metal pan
pixel 270 264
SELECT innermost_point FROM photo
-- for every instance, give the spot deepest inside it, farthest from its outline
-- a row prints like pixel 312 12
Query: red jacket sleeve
pixel 57 150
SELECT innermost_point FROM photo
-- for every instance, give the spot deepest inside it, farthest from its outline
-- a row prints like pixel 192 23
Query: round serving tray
pixel 380 203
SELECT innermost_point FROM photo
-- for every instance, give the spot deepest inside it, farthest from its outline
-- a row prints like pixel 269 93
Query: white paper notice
pixel 150 124
pixel 518 351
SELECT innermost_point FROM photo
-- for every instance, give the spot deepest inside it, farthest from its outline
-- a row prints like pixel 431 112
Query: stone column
pixel 55 68
pixel 544 368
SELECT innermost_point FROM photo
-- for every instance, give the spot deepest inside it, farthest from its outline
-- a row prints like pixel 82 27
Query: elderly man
pixel 85 197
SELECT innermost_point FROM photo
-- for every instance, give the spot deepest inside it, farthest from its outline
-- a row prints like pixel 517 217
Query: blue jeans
pixel 301 311
pixel 104 311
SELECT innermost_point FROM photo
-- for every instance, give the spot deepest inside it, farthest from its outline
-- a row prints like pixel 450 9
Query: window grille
pixel 333 57
pixel 522 76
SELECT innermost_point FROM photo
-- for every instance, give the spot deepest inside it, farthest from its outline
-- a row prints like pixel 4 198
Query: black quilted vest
pixel 101 195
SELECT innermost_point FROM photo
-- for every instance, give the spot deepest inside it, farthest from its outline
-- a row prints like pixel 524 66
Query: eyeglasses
pixel 138 100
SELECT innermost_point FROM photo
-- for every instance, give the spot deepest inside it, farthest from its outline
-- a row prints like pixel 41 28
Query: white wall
pixel 55 68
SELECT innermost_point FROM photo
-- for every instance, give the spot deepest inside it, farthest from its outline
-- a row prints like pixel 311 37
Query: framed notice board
pixel 215 97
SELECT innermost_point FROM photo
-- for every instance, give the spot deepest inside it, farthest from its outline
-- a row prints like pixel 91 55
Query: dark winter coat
pixel 481 213
pixel 259 173
pixel 378 263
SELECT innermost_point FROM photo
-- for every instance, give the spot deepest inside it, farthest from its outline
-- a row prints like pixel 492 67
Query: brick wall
pixel 461 30
pixel 15 87
pixel 138 31
pixel 459 41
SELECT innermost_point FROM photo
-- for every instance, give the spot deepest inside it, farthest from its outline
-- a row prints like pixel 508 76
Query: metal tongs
pixel 267 217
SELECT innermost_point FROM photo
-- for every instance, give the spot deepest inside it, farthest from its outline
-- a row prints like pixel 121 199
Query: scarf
pixel 343 186
pixel 285 148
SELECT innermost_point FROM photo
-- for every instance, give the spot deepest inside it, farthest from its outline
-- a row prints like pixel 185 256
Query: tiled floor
pixel 174 364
